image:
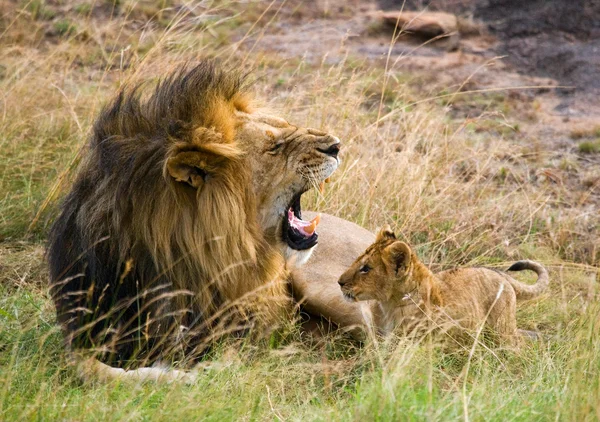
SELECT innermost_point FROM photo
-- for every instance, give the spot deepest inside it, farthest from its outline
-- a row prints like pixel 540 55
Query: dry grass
pixel 463 191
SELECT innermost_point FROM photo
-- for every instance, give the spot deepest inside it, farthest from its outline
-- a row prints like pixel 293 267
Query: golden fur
pixel 171 234
pixel 405 292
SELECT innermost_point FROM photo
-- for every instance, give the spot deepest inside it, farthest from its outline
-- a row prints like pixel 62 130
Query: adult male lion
pixel 175 229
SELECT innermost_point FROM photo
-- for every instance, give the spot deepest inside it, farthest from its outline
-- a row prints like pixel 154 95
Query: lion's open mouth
pixel 298 233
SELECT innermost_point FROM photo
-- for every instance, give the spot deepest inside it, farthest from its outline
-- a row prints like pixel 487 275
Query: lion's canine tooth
pixel 313 224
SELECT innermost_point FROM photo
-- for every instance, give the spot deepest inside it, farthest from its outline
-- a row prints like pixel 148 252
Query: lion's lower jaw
pixel 296 258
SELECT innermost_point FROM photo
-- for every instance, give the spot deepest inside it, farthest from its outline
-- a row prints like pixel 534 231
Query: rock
pixel 426 25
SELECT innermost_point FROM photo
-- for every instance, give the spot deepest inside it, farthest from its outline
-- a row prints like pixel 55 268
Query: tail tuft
pixel 519 266
pixel 529 291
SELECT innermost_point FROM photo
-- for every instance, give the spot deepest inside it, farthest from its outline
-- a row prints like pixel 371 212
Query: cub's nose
pixel 333 149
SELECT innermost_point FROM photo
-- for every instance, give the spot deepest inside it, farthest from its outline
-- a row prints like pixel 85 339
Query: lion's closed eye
pixel 275 148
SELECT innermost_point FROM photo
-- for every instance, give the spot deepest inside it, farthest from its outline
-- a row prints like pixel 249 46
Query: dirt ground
pixel 557 39
pixel 543 55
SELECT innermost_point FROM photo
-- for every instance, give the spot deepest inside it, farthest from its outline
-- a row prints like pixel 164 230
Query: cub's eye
pixel 365 269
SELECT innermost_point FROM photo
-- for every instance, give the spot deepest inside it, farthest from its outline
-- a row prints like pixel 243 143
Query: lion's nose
pixel 332 150
pixel 342 282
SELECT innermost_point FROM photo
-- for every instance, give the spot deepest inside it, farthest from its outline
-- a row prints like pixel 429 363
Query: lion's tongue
pixel 307 228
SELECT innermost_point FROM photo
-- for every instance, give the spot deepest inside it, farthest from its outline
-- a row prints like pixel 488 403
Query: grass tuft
pixel 64 27
pixel 589 147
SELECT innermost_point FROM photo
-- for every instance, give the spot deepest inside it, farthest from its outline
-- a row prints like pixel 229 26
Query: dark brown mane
pixel 186 97
pixel 134 255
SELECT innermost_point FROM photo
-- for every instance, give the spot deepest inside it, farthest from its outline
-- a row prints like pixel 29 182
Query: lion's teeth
pixel 316 220
pixel 310 229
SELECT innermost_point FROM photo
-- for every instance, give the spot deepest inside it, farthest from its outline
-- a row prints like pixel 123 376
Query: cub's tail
pixel 529 291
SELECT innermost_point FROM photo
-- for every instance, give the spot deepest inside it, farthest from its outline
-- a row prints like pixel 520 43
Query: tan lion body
pixel 315 283
pixel 405 293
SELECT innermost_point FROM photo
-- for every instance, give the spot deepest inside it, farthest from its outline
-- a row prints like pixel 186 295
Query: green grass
pixel 462 186
pixel 555 379
pixel 64 27
pixel 589 147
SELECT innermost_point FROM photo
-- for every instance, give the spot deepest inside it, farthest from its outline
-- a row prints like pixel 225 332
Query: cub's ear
pixel 385 233
pixel 189 167
pixel 397 257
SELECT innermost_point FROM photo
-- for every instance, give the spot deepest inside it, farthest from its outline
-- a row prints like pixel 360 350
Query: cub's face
pixel 383 270
pixel 286 161
pixel 367 278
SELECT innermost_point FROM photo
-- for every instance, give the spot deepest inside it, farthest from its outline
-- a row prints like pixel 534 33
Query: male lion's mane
pixel 141 263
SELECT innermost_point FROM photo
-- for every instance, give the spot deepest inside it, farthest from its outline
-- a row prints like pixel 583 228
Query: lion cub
pixel 405 292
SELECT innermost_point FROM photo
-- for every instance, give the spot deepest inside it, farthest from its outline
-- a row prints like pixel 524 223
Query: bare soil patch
pixel 533 68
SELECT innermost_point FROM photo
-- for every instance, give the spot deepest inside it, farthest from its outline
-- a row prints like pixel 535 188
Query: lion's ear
pixel 385 233
pixel 189 167
pixel 397 257
pixel 196 167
